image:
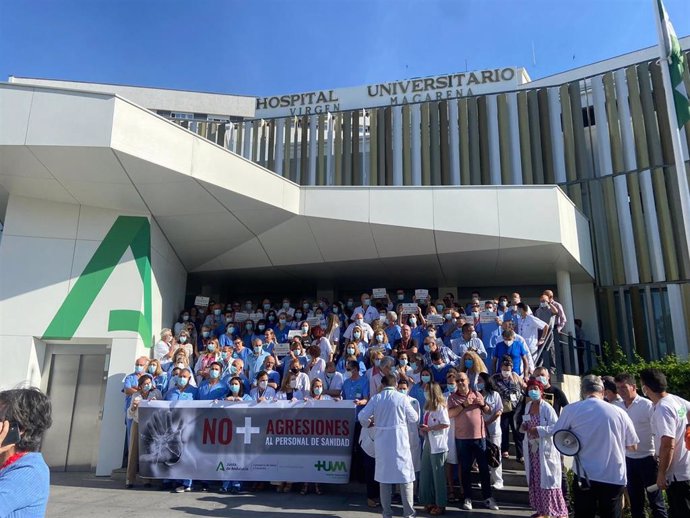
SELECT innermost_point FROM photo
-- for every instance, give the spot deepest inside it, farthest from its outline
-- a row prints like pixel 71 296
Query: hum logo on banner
pixel 331 466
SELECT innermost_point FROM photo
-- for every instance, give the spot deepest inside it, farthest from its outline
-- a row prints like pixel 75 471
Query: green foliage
pixel 614 361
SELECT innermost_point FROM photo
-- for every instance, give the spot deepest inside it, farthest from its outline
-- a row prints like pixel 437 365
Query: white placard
pixel 294 333
pixel 241 317
pixel 421 294
pixel 281 349
pixel 255 316
pixel 409 308
pixel 314 321
pixel 435 319
pixel 379 293
pixel 487 317
pixel 201 301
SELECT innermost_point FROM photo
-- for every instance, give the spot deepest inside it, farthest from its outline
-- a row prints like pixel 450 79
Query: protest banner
pixel 201 301
pixel 292 441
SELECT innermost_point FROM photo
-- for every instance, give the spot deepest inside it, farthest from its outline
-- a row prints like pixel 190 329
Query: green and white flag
pixel 676 67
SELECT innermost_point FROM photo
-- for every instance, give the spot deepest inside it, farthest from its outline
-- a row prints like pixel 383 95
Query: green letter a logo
pixel 127 231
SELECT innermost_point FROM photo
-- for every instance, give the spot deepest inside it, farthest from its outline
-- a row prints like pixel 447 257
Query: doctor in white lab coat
pixel 390 412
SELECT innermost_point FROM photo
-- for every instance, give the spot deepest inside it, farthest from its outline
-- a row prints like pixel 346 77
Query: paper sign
pixel 201 301
pixel 281 349
pixel 241 317
pixel 294 333
pixel 254 317
pixel 379 293
pixel 409 308
pixel 421 294
pixel 435 319
pixel 314 321
pixel 487 317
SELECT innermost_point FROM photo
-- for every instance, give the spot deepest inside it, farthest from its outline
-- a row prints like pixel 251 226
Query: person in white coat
pixel 390 412
pixel 543 461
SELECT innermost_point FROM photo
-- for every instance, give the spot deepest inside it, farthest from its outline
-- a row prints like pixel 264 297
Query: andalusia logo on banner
pixel 127 232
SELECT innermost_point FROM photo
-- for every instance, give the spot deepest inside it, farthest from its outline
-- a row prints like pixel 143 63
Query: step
pixel 510 477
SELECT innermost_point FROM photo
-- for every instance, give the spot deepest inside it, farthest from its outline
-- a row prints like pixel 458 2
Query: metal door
pixel 76 386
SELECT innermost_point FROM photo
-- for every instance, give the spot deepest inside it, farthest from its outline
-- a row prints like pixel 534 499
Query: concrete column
pixel 565 297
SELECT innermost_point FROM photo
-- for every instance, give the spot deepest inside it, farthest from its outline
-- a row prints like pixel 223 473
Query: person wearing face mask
pixel 439 368
pixel 333 330
pixel 518 352
pixel 403 369
pixel 296 368
pixel 366 330
pixel 184 342
pixel 486 330
pixel 469 341
pixel 297 319
pixel 351 354
pixel 181 322
pixel 432 333
pixel 164 348
pixel 333 381
pixel 416 364
pixel 146 391
pixel 247 333
pixel 290 392
pixel 510 386
pixel 417 325
pixel 182 390
pixel 417 390
pixel 255 360
pixel 131 387
pixel 381 340
pixel 448 326
pixel 160 377
pixel 262 392
pixel 282 328
pixel 287 309
pixel 213 387
pixel 212 354
pixel 235 369
pixel 503 305
pixel 552 395
pixel 271 320
pixel 374 373
pixel 434 428
pixel 258 330
pixel 237 392
pixel 543 463
pixel 451 466
pixel 273 375
pixel 472 365
pixel 447 356
pixel 269 341
pixel 297 353
pixel 367 309
pixel 529 328
pixel 323 343
pixel 202 339
pixel 305 330
pixel 316 367
pixel 239 351
pixel 474 300
pixel 486 387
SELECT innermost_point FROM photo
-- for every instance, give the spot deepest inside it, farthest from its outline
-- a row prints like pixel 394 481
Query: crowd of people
pixel 451 382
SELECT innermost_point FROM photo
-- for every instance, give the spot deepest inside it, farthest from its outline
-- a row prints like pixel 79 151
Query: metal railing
pixel 564 354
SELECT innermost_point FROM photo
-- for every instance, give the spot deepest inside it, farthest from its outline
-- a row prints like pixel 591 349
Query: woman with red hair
pixel 542 460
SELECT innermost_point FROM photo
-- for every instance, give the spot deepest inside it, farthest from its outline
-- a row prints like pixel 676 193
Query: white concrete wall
pixel 44 250
pixel 585 308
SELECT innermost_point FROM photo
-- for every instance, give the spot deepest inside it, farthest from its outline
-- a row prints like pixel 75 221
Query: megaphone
pixel 566 442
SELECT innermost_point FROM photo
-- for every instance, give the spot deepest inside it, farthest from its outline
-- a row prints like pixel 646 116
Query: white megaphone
pixel 566 442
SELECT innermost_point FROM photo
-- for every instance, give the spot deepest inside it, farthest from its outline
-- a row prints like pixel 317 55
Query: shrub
pixel 614 361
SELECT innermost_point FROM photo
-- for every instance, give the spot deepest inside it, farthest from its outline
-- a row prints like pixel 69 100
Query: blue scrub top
pixel 209 392
pixel 516 351
pixel 175 394
pixel 358 389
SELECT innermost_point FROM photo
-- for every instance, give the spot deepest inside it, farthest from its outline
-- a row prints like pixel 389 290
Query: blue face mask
pixel 152 369
pixel 205 334
pixel 224 355
pixel 426 378
pixel 234 389
pixel 215 374
pixel 534 394
pixel 469 363
pixel 138 369
pixel 182 382
pixel 402 391
pixel 147 387
pixel 480 387
pixel 403 363
pixel 211 347
pixel 413 366
pixel 233 370
pixel 451 388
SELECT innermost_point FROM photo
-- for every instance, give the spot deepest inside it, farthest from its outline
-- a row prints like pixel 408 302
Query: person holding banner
pixel 390 412
pixel 213 387
pixel 182 390
pixel 333 381
pixel 237 390
pixel 289 390
pixel 147 391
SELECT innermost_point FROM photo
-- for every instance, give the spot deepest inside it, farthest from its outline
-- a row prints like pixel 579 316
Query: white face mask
pixel 506 374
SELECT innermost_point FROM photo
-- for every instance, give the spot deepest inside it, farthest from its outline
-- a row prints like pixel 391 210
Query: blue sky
pixel 265 47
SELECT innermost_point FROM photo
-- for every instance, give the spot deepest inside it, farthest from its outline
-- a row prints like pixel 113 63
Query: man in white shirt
pixel 390 412
pixel 369 312
pixel 468 342
pixel 669 421
pixel 529 327
pixel 640 464
pixel 605 433
pixel 358 320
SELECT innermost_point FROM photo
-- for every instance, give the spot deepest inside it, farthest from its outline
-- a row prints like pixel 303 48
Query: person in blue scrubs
pixel 417 390
pixel 182 391
pixel 282 328
pixel 213 387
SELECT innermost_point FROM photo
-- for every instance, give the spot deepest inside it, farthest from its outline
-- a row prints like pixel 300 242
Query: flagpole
pixel 682 176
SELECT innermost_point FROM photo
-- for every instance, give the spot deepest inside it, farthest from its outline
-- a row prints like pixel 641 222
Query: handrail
pixel 582 354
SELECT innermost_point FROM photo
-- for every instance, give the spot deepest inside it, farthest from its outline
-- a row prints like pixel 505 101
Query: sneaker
pixel 182 489
pixel 467 504
pixel 497 486
pixel 490 503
